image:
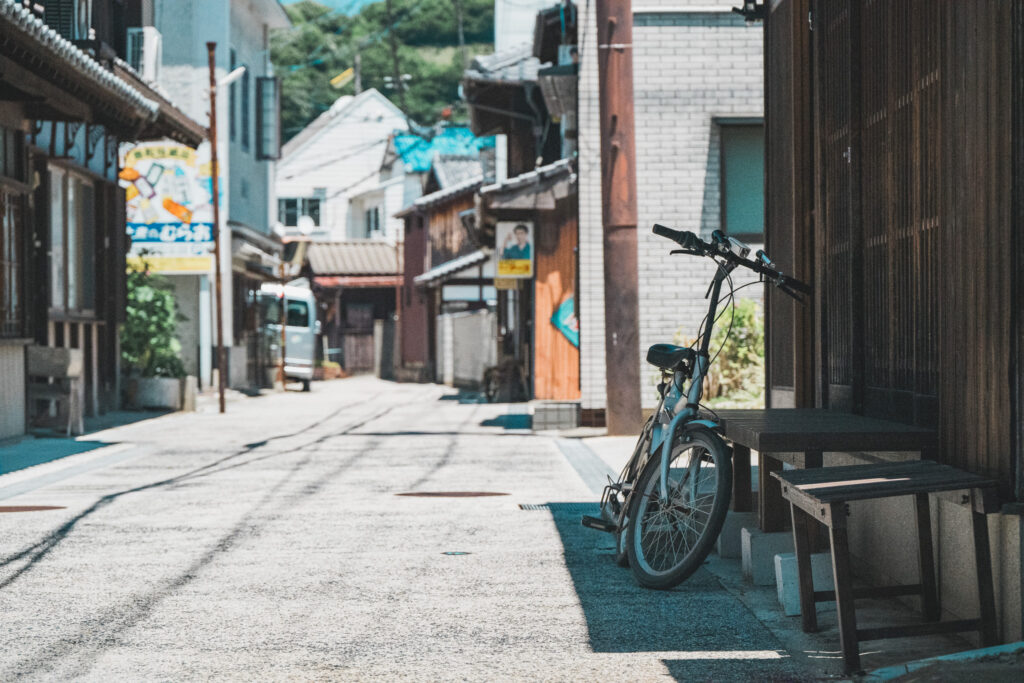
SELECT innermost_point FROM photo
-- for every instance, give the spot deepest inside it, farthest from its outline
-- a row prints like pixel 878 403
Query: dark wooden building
pixel 895 183
pixel 67 102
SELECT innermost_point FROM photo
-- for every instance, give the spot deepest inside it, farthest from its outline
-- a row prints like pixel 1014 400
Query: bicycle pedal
pixel 597 523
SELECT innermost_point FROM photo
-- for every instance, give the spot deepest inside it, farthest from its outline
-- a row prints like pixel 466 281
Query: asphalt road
pixel 269 543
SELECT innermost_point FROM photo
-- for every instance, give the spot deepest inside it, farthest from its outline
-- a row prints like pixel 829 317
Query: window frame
pixel 76 256
pixel 724 125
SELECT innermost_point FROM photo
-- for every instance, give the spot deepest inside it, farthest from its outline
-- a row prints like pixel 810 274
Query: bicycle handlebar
pixel 721 246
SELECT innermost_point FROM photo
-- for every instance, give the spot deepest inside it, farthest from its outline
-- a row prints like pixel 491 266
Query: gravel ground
pixel 269 544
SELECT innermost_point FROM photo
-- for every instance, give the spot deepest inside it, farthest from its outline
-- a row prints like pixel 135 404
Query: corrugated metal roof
pixel 17 18
pixel 453 169
pixel 354 257
pixel 514 65
pixel 449 269
pixel 562 166
pixel 418 152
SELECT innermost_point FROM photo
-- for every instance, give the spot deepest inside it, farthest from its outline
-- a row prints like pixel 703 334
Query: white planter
pixel 155 392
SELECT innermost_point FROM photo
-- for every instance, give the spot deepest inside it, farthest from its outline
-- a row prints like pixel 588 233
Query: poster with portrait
pixel 514 241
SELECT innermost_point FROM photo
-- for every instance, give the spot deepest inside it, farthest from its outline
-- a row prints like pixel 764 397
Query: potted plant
pixel 150 350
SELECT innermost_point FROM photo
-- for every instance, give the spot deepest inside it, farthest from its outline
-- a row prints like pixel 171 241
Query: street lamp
pixel 211 49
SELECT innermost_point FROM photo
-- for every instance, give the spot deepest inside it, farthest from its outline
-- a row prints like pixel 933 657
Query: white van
pixel 300 332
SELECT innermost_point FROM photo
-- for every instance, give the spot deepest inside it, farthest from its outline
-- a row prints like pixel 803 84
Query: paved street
pixel 269 544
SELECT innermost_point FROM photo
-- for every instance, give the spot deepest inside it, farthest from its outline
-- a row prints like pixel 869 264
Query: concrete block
pixel 758 550
pixel 787 579
pixel 729 543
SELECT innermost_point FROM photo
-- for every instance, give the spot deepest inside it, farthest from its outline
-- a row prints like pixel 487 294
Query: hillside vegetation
pixel 323 43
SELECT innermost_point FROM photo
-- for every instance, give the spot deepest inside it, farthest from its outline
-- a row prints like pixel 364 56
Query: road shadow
pixel 464 396
pixel 518 421
pixel 31 452
pixel 699 618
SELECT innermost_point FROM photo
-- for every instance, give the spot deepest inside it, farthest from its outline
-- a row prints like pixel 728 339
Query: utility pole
pixel 358 68
pixel 211 49
pixel 283 298
pixel 618 191
pixel 396 73
pixel 462 34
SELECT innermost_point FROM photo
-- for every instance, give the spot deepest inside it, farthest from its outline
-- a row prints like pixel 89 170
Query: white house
pixel 335 160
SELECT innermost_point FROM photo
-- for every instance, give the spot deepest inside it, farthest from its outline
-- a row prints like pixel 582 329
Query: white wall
pixel 514 21
pixel 690 66
pixel 344 158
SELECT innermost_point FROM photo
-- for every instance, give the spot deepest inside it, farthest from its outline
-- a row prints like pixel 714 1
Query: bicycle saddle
pixel 670 356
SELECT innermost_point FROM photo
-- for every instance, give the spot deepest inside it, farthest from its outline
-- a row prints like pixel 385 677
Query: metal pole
pixel 211 49
pixel 618 188
pixel 284 324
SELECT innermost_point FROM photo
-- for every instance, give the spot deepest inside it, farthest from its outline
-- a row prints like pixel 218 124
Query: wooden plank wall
pixel 557 361
pixel 448 236
pixel 913 127
pixel 1017 312
pixel 789 206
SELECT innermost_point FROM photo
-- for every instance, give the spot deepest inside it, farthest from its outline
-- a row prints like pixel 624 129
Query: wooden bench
pixel 800 437
pixel 823 494
pixel 55 375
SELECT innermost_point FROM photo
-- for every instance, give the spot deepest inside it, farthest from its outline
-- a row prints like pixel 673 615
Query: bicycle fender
pixel 666 444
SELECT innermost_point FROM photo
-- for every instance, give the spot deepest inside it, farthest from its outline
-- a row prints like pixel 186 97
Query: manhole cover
pixel 30 508
pixel 451 494
pixel 455 552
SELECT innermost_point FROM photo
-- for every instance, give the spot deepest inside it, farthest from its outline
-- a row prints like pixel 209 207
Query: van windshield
pixel 298 312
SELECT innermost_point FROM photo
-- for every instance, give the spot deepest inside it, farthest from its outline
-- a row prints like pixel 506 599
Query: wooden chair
pixel 65 368
pixel 821 495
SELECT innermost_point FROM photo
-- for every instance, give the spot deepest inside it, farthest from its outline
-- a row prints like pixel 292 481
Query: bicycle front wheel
pixel 668 541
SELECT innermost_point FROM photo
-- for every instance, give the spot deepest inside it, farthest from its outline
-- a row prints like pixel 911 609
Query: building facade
pixel 70 101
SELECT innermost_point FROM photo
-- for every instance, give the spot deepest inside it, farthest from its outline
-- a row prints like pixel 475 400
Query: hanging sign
pixel 565 321
pixel 514 249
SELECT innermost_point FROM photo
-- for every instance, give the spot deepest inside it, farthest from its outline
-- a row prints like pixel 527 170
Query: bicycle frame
pixel 662 436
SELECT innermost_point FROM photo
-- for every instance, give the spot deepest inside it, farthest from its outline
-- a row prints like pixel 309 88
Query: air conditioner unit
pixel 145 52
pixel 70 18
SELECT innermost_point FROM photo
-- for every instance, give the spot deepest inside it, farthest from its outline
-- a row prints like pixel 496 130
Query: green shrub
pixel 736 379
pixel 149 343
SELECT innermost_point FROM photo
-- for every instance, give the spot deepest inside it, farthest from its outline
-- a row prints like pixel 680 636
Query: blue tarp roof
pixel 418 153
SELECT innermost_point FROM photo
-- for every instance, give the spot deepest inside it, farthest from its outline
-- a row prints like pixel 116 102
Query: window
pixel 72 242
pixel 372 221
pixel 290 209
pixel 298 313
pixel 742 180
pixel 12 153
pixel 268 118
pixel 11 231
pixel 245 110
pixel 232 98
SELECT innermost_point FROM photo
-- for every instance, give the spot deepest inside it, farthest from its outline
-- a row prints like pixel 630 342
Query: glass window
pixel 72 242
pixel 311 208
pixel 298 313
pixel 268 119
pixel 288 212
pixel 232 97
pixel 743 180
pixel 10 264
pixel 245 105
pixel 57 178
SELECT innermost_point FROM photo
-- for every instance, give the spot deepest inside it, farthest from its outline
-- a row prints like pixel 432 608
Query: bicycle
pixel 669 503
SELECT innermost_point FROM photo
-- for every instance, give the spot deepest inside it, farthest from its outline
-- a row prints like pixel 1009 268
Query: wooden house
pixel 895 183
pixel 67 101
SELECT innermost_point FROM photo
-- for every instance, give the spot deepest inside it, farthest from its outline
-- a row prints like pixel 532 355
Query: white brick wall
pixel 690 67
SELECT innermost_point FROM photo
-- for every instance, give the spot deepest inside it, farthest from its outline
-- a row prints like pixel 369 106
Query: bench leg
pixel 802 539
pixel 983 562
pixel 741 499
pixel 844 587
pixel 926 559
pixel 771 504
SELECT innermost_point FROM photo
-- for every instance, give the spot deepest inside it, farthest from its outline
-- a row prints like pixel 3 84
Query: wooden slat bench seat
pixel 800 437
pixel 55 375
pixel 823 494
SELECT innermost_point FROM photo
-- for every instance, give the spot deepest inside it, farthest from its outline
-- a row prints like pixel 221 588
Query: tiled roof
pixel 354 257
pixel 514 65
pixel 557 168
pixel 418 152
pixel 449 269
pixel 16 19
pixel 453 169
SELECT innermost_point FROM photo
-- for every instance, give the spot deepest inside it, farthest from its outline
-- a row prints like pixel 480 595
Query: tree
pixel 322 43
pixel 149 342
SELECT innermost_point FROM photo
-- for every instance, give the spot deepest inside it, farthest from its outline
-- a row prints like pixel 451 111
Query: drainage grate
pixel 30 508
pixel 561 507
pixel 450 494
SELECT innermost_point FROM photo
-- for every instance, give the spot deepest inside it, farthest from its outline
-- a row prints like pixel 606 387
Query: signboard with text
pixel 168 194
pixel 514 249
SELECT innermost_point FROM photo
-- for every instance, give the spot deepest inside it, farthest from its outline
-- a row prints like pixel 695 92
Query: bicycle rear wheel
pixel 667 543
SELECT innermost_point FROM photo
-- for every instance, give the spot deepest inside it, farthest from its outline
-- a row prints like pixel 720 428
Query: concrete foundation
pixel 730 542
pixel 787 580
pixel 555 415
pixel 758 550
